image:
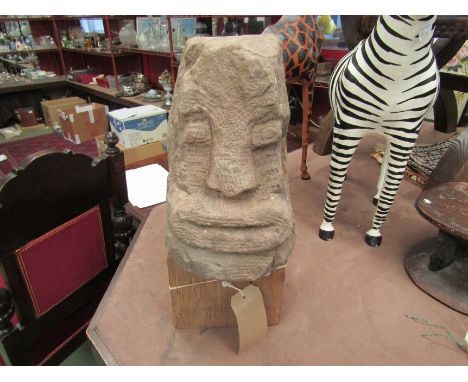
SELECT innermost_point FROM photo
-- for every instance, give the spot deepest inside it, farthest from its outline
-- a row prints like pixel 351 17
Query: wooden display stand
pixel 201 303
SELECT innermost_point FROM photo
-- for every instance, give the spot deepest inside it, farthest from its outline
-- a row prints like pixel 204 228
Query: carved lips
pixel 228 226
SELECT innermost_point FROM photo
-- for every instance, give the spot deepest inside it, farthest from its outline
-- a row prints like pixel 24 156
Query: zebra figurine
pixel 386 84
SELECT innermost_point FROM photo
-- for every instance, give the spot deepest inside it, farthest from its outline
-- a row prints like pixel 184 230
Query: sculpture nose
pixel 231 172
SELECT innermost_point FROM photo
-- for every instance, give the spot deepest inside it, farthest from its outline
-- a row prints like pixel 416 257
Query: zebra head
pixel 413 20
pixel 410 27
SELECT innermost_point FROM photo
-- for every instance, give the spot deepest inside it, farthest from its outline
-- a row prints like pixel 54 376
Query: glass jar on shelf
pixel 77 35
pixel 230 27
pixel 153 35
pixel 201 29
pixel 88 43
pixel 164 36
pixel 142 40
pixel 127 35
pixel 179 38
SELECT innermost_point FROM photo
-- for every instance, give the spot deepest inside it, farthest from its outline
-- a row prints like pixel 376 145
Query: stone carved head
pixel 229 214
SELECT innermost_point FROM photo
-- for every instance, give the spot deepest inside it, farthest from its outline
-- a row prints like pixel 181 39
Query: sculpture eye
pixel 197 132
pixel 266 133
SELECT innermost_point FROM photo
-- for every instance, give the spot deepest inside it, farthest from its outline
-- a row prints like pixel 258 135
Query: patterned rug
pixel 17 151
pixel 422 162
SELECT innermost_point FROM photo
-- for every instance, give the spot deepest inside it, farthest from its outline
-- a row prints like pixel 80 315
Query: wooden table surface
pixel 26 85
pixel 110 95
pixel 58 81
pixel 344 302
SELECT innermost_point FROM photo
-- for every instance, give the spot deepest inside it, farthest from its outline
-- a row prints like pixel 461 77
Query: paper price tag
pixel 249 309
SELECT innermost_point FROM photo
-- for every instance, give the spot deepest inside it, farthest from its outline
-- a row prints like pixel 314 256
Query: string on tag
pixel 226 284
pixel 189 285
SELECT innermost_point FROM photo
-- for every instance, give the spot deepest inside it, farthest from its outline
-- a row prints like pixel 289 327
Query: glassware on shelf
pixel 18 45
pixel 153 35
pixel 4 42
pixel 77 35
pixel 214 26
pixel 32 59
pixel 179 38
pixel 166 82
pixel 6 77
pixel 164 35
pixel 50 42
pixel 105 45
pixel 142 40
pixel 88 43
pixel 64 38
pixel 44 42
pixel 230 27
pixel 127 35
pixel 139 82
pixel 24 73
pixel 201 29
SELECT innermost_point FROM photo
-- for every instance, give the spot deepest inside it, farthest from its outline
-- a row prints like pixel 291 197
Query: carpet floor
pixel 17 151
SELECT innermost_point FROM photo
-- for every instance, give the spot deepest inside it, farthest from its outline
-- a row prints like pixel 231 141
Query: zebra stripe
pixel 386 84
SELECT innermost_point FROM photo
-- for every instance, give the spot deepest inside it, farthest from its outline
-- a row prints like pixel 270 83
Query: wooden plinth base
pixel 201 303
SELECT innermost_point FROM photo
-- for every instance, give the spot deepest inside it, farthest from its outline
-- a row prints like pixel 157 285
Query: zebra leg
pixel 383 173
pixel 397 159
pixel 342 153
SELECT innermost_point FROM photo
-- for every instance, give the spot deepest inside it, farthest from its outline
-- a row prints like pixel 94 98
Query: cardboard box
pixel 83 123
pixel 134 154
pixel 27 116
pixel 139 125
pixel 50 108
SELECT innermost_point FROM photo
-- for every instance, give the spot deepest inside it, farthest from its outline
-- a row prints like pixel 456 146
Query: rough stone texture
pixel 229 213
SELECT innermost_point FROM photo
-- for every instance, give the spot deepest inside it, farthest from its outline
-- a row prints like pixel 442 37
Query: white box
pixel 139 125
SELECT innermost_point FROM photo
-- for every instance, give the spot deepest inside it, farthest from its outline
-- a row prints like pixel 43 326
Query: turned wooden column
pixel 121 221
pixel 7 310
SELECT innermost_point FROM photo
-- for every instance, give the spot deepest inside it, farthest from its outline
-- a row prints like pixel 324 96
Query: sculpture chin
pixel 235 266
pixel 229 240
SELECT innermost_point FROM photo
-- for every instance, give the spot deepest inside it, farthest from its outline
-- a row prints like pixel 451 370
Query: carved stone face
pixel 229 214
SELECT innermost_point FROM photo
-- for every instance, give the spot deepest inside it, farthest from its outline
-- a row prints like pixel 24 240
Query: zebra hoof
pixel 326 235
pixel 305 176
pixel 373 241
pixel 375 201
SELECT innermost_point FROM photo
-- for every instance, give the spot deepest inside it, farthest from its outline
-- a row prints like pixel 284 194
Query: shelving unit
pixel 93 52
pixel 30 18
pixel 49 58
pixel 49 50
pixel 119 59
pixel 119 50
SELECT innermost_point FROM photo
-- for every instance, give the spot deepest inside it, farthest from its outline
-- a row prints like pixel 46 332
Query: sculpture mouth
pixel 227 222
pixel 260 228
pixel 229 239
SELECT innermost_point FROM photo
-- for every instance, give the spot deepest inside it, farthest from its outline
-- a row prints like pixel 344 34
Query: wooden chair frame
pixel 67 185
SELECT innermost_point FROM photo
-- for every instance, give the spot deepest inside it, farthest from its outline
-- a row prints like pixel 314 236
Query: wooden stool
pixel 201 303
pixel 440 266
